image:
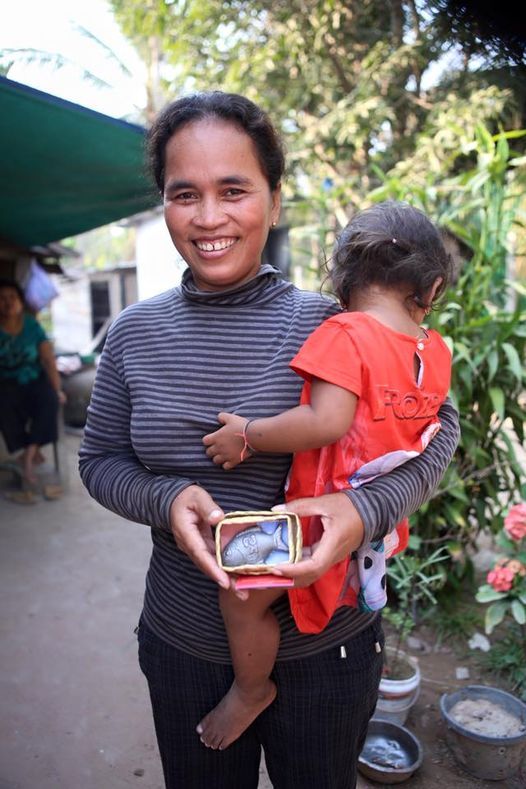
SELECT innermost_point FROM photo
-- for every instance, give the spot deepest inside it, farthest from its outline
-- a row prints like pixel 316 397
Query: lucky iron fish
pixel 257 543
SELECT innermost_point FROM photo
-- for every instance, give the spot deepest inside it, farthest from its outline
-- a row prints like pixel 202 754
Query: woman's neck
pixel 392 307
pixel 12 324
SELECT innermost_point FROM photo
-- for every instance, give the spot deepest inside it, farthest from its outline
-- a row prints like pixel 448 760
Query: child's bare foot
pixel 234 713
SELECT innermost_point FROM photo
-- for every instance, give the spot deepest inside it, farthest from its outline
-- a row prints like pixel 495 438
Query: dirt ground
pixel 75 708
pixel 438 666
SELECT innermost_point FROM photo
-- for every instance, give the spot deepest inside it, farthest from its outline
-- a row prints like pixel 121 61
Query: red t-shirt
pixel 396 417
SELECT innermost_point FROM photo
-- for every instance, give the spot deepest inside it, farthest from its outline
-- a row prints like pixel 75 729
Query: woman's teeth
pixel 214 246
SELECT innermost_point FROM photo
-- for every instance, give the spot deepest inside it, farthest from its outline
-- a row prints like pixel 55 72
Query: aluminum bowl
pixel 391 753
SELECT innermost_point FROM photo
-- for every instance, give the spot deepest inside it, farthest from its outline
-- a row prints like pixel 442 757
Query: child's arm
pixel 324 421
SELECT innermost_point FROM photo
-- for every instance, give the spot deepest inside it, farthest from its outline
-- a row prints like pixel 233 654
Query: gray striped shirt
pixel 169 365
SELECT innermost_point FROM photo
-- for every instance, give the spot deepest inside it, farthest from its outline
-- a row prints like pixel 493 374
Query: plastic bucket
pixel 396 709
pixel 396 688
pixel 487 757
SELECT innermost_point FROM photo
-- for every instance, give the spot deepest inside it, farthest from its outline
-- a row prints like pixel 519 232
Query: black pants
pixel 28 413
pixel 312 734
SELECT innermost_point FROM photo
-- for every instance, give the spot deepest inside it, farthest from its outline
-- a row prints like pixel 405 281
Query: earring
pixel 274 224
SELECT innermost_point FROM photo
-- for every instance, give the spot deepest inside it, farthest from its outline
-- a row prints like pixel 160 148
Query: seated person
pixel 30 388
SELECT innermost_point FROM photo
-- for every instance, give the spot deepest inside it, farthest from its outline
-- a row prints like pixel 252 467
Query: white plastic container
pixel 399 688
pixel 396 710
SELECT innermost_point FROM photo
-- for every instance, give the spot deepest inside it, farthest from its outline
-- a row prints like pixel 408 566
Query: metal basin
pixel 391 753
pixel 492 758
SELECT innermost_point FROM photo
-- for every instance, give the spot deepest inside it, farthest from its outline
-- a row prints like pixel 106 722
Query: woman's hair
pixel 390 244
pixel 229 107
pixel 10 283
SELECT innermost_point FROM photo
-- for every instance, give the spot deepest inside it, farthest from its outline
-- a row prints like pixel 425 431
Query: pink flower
pixel 503 574
pixel 515 522
pixel 516 567
pixel 501 578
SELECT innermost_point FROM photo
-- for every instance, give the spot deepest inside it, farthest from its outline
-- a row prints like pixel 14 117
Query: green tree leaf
pixel 519 612
pixel 487 594
pixel 494 615
pixel 497 398
pixel 514 361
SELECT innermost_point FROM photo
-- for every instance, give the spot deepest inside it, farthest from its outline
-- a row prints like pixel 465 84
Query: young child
pixel 374 381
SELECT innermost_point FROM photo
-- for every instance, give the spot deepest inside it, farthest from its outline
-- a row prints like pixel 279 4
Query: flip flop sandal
pixel 21 496
pixel 52 492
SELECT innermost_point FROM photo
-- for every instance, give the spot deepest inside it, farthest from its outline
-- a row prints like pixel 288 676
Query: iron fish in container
pixel 258 544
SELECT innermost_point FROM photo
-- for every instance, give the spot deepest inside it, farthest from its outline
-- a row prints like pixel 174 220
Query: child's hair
pixel 390 244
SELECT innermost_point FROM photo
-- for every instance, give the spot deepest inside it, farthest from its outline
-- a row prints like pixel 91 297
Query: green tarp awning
pixel 65 169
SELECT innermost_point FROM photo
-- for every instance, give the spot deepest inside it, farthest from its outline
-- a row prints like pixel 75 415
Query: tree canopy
pixel 355 85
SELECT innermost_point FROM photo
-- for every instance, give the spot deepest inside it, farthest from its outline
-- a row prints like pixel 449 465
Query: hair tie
pixel 247 450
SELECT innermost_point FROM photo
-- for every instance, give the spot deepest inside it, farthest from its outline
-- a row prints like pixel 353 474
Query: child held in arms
pixel 374 381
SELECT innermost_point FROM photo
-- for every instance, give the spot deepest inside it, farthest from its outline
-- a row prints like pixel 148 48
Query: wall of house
pixel 75 316
pixel 71 315
pixel 159 265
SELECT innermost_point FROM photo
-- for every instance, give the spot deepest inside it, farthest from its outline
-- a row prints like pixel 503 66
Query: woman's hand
pixel 192 515
pixel 343 533
pixel 225 446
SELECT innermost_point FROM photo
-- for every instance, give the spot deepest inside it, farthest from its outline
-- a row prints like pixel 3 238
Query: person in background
pixel 222 341
pixel 30 386
pixel 374 381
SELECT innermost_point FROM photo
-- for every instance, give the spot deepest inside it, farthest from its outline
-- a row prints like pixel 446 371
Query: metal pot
pixel 492 758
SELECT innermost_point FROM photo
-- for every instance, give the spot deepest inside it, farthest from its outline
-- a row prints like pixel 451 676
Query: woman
pixel 222 341
pixel 30 389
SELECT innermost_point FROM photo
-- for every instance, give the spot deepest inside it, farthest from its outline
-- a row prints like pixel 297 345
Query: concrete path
pixel 75 708
pixel 75 712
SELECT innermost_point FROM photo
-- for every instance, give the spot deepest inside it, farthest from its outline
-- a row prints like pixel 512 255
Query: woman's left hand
pixel 343 533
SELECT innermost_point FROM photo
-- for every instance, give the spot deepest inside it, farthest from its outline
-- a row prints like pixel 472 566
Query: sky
pixel 51 25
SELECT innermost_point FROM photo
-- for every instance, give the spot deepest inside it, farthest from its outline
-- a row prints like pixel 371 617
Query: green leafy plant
pixel 505 595
pixel 505 587
pixel 506 659
pixel 483 320
pixel 456 619
pixel 414 580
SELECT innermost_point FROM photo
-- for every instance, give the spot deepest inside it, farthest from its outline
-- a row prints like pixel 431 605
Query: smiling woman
pixel 218 214
pixel 222 341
